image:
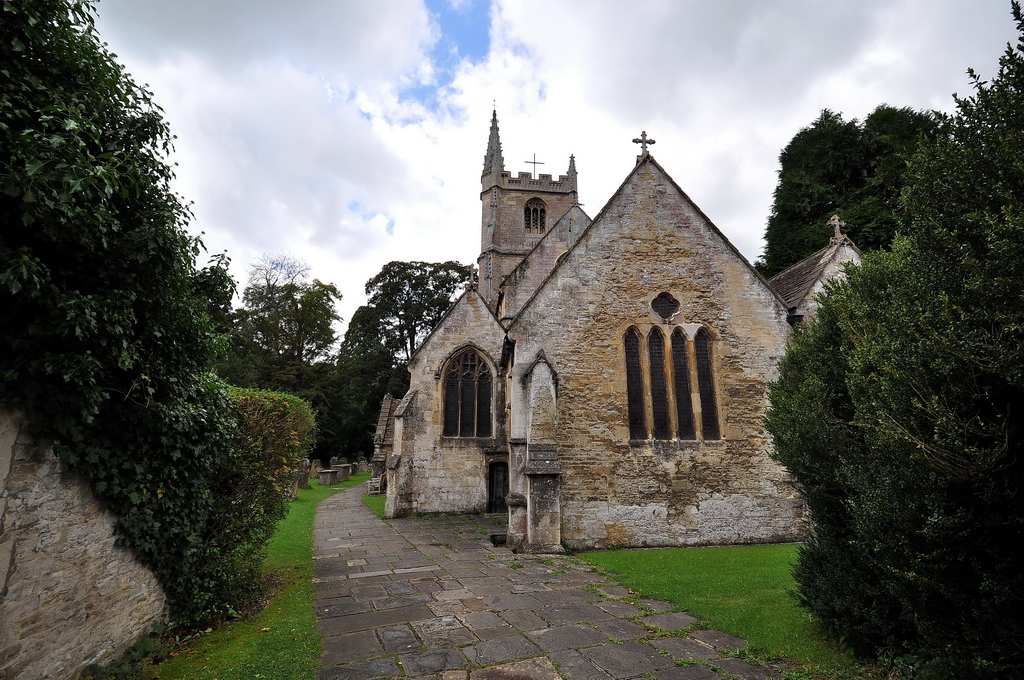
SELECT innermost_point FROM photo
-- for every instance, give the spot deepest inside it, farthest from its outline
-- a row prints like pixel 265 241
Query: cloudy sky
pixel 350 133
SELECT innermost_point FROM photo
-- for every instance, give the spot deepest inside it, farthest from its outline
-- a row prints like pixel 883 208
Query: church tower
pixel 517 212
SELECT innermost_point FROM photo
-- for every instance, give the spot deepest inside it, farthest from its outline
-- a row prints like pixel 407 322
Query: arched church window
pixel 706 385
pixel 467 396
pixel 659 386
pixel 670 373
pixel 635 386
pixel 535 216
pixel 681 373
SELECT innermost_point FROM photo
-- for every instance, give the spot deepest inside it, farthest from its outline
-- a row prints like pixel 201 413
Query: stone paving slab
pixel 718 639
pixel 431 597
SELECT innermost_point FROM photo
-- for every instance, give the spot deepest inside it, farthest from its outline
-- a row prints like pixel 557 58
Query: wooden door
pixel 497 487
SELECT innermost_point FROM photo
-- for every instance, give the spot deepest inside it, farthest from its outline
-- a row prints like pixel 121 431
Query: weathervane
pixel 643 141
pixel 535 163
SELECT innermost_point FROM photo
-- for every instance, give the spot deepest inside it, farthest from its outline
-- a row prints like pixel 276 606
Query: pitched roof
pixel 385 433
pixel 795 283
pixel 596 222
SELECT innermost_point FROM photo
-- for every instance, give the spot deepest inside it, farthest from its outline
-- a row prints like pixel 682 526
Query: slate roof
pixel 795 283
pixel 385 433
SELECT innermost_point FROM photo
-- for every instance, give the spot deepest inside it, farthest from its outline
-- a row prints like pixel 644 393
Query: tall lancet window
pixel 467 397
pixel 635 387
pixel 681 373
pixel 659 385
pixel 535 216
pixel 706 385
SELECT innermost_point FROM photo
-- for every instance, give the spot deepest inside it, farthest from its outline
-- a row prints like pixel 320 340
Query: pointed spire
pixel 494 162
pixel 572 172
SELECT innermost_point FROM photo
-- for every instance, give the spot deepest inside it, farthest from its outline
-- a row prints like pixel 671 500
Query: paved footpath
pixel 434 598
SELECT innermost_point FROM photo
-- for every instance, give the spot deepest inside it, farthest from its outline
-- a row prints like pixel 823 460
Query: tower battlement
pixel 541 182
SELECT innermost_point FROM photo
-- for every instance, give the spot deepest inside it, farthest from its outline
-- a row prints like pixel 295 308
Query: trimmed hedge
pixel 274 433
pixel 900 412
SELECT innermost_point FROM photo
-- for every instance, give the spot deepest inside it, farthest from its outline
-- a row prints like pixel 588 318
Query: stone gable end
pixel 648 240
pixel 445 474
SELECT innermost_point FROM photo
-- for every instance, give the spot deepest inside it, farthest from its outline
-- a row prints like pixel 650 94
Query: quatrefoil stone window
pixel 665 305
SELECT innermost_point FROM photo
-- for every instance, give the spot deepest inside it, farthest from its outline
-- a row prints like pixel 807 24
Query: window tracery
pixel 678 383
pixel 467 396
pixel 535 216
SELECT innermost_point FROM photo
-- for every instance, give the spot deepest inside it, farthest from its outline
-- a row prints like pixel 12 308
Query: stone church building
pixel 604 380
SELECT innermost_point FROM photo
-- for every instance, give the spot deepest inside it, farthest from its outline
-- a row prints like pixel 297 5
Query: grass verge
pixel 375 503
pixel 281 641
pixel 743 590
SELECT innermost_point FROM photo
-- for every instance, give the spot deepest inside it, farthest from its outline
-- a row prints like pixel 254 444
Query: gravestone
pixel 335 462
pixel 291 488
pixel 315 466
pixel 303 474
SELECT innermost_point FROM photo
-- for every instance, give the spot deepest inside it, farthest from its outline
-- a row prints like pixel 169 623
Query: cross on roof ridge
pixel 643 141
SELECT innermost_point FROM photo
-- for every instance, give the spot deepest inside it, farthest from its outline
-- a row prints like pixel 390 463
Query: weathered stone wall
pixel 429 472
pixel 529 274
pixel 834 269
pixel 648 240
pixel 68 595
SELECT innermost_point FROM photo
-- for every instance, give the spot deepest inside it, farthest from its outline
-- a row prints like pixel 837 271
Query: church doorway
pixel 497 487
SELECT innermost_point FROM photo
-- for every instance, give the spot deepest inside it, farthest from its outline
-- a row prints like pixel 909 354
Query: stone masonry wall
pixel 68 595
pixel 651 239
pixel 447 474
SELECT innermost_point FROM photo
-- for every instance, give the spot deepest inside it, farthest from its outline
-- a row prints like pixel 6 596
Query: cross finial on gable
pixel 836 224
pixel 643 141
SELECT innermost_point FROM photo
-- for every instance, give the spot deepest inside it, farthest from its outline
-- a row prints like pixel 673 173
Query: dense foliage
pixel 852 169
pixel 900 411
pixel 105 324
pixel 286 324
pixel 274 433
pixel 409 299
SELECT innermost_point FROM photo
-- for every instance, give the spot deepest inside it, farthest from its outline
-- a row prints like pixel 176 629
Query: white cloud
pixel 298 131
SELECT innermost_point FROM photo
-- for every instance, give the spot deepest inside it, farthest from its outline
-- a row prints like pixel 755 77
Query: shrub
pixel 274 433
pixel 900 412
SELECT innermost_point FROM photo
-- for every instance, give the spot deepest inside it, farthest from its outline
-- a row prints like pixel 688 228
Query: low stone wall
pixel 68 596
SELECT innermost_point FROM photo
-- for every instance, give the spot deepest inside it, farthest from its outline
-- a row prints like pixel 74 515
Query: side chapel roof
pixel 795 283
pixel 385 434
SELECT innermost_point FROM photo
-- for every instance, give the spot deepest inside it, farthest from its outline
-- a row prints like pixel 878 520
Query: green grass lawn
pixel 375 503
pixel 741 590
pixel 281 642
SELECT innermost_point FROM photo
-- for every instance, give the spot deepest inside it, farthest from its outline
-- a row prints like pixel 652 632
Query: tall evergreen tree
pixel 841 167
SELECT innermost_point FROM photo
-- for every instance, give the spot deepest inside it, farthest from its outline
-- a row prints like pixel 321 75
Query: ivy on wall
pixel 105 340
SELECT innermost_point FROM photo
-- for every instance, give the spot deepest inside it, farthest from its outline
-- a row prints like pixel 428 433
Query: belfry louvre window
pixel 662 407
pixel 467 397
pixel 535 216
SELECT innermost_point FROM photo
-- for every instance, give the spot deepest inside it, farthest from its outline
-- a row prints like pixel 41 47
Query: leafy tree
pixel 284 329
pixel 406 300
pixel 104 335
pixel 899 411
pixel 410 298
pixel 842 167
